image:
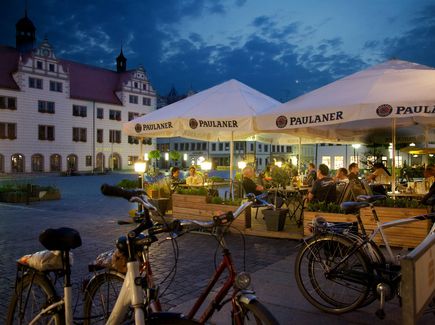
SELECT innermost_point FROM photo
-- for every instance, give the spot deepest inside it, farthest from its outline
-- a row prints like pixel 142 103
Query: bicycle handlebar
pixel 117 191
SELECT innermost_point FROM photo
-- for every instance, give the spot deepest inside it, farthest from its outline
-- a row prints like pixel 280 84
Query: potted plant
pixel 275 219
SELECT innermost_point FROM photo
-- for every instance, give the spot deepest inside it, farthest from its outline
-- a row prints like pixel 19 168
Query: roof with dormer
pixel 86 82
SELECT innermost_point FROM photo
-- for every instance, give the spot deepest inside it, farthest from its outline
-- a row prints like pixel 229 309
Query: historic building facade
pixel 59 115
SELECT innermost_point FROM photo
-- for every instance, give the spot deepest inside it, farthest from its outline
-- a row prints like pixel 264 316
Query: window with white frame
pixel 327 161
pixel 338 162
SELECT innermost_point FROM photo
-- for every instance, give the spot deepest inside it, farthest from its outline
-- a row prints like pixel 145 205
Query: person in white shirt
pixel 194 178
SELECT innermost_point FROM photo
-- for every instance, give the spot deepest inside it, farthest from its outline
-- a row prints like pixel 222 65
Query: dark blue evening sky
pixel 283 48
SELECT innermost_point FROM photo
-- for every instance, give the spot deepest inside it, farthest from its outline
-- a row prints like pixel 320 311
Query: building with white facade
pixel 59 115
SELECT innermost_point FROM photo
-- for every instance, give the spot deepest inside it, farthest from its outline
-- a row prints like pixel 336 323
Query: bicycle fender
pixel 247 297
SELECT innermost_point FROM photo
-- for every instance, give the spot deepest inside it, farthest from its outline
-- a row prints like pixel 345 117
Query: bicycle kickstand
pixel 383 290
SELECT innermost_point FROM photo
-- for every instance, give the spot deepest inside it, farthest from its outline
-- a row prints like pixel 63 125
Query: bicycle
pixel 35 300
pixel 339 270
pixel 102 290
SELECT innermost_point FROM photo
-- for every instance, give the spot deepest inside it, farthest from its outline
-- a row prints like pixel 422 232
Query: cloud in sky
pixel 281 48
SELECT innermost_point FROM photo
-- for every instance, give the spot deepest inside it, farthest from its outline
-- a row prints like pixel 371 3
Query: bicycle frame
pixel 131 294
pixel 381 226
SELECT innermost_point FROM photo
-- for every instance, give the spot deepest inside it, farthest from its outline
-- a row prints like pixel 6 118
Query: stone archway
pixel 72 163
pixel 100 162
pixel 55 163
pixel 115 161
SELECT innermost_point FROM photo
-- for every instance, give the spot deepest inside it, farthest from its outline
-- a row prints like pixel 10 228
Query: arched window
pixel 37 163
pixel 72 162
pixel 55 163
pixel 17 163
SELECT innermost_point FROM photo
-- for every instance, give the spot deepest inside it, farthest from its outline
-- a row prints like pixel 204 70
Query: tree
pixel 155 155
pixel 175 156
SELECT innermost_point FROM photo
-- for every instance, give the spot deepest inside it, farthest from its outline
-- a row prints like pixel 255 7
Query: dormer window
pixel 51 67
pixel 136 85
pixel 39 65
pixel 144 86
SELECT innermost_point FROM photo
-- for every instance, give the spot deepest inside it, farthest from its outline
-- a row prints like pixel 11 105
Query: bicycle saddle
pixel 353 207
pixel 61 239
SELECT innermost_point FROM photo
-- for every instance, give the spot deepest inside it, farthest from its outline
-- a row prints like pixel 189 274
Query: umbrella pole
pixel 299 158
pixel 231 166
pixel 393 169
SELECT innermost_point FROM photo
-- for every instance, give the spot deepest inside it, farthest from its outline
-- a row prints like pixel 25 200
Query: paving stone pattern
pixel 95 216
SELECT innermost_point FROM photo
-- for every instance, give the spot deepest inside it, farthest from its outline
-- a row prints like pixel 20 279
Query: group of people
pixel 324 188
pixel 194 178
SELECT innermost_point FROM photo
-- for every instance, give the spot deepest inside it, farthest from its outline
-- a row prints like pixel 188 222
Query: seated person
pixel 194 179
pixel 323 189
pixel 429 198
pixel 353 172
pixel 341 176
pixel 311 175
pixel 379 177
pixel 250 186
pixel 174 179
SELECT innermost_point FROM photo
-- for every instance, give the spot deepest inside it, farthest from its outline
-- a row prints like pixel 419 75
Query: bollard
pixel 28 193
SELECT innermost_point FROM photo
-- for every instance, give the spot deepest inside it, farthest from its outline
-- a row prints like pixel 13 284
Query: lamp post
pixel 206 167
pixel 140 167
pixel 355 147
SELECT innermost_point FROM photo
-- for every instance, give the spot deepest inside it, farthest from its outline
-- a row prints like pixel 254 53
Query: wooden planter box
pixel 196 207
pixel 409 235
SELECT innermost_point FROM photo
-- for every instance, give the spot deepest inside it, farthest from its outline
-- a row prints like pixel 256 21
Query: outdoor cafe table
pixel 294 200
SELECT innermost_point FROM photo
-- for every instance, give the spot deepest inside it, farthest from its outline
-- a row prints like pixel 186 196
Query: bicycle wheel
pixel 32 293
pixel 256 313
pixel 100 297
pixel 338 291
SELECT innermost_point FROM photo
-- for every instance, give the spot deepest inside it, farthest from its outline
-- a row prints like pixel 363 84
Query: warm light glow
pixel 356 146
pixel 241 164
pixel 431 155
pixel 145 156
pixel 140 166
pixel 415 156
pixel 206 165
pixel 412 144
pixel 185 157
pixel 166 156
pixel 278 163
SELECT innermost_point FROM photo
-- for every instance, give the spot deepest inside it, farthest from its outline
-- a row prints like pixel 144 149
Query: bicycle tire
pixel 341 291
pixel 256 313
pixel 100 297
pixel 32 293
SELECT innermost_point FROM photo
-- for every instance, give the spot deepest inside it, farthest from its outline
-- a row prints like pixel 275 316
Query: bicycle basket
pixel 44 260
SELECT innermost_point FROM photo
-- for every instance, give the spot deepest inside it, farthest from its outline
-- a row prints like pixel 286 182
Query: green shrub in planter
pixel 330 207
pixel 128 183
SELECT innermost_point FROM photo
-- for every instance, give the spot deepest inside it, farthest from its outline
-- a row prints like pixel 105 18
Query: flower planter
pixel 196 207
pixel 275 219
pixel 409 235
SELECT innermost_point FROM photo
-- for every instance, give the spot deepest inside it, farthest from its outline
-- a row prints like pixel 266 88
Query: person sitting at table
pixel 353 172
pixel 429 198
pixel 250 186
pixel 194 178
pixel 323 189
pixel 379 177
pixel 174 179
pixel 341 176
pixel 311 175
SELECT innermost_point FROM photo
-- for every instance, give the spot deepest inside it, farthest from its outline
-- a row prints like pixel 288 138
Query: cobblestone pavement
pixel 83 207
pixel 95 216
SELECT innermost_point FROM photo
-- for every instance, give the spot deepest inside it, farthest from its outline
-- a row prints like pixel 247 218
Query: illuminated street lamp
pixel 241 164
pixel 140 167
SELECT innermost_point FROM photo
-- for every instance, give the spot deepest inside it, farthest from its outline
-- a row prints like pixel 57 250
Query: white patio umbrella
pixel 394 94
pixel 222 113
